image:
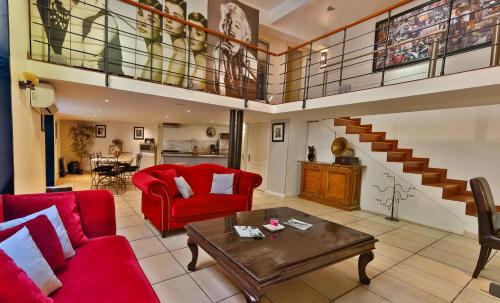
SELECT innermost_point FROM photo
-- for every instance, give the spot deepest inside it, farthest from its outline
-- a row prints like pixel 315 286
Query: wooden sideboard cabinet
pixel 331 184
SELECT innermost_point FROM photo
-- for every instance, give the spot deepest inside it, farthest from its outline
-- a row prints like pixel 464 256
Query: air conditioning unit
pixel 43 99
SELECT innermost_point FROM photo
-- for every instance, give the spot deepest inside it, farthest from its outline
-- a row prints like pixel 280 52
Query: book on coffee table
pixel 297 224
pixel 248 231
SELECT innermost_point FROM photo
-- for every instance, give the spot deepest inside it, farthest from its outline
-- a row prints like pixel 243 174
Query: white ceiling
pixel 306 19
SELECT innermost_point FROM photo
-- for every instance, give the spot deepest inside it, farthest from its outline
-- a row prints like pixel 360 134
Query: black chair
pixel 129 170
pixel 487 219
pixel 106 173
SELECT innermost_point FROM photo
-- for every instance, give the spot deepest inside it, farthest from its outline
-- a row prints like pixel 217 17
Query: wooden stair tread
pixel 443 184
pixel 462 197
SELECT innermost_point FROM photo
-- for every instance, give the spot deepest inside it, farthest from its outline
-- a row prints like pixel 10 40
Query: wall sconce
pixel 323 58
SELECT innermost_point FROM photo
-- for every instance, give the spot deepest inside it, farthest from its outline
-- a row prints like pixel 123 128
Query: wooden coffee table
pixel 256 264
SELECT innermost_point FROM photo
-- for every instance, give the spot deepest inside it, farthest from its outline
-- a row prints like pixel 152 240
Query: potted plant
pixel 83 136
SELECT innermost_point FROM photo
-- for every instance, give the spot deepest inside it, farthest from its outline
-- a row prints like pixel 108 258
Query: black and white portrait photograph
pixel 100 131
pixel 138 133
pixel 278 132
pixel 197 39
pixel 233 66
pixel 174 43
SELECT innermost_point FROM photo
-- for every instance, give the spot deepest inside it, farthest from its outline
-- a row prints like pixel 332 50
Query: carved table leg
pixel 363 261
pixel 194 251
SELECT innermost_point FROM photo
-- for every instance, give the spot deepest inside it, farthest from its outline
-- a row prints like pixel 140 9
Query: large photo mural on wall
pixel 232 67
pixel 469 29
pixel 141 44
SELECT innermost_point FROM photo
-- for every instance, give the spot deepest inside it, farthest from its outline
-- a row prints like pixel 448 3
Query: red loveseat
pixel 167 210
pixel 104 269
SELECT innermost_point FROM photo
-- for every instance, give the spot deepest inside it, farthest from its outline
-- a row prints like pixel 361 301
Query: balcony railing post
pixel 386 47
pixel 266 77
pixel 283 95
pixel 245 78
pixel 306 77
pixel 48 35
pixel 106 45
pixel 433 60
pixel 495 44
pixel 188 84
pixel 342 58
pixel 445 51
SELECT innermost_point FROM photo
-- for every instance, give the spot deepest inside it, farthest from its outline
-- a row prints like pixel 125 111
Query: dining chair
pixel 487 218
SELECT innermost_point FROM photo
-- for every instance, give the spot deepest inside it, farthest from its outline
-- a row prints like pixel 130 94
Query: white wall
pixel 29 144
pixel 277 162
pixel 466 141
pixel 114 130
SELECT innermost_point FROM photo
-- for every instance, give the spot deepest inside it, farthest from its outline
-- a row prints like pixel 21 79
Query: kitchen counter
pixel 190 159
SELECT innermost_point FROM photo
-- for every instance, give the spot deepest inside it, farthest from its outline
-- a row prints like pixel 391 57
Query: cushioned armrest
pixel 97 212
pixel 150 185
pixel 246 185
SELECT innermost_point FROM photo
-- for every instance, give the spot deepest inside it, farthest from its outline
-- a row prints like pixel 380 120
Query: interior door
pixel 258 137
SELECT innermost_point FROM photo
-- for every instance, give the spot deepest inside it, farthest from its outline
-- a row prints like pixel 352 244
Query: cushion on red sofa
pixel 168 176
pixel 104 270
pixel 22 205
pixel 207 204
pixel 45 237
pixel 200 177
pixel 16 286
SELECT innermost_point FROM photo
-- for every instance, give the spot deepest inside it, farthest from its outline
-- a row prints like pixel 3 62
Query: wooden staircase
pixel 454 190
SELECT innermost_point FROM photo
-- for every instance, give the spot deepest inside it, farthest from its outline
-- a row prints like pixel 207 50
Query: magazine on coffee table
pixel 248 231
pixel 297 224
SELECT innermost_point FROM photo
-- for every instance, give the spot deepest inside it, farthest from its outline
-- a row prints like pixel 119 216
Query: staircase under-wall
pixel 452 189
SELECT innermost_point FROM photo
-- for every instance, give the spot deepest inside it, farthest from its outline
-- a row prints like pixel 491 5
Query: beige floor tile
pixel 361 295
pixel 471 296
pixel 240 298
pixel 341 217
pixel 135 232
pixel 161 267
pixel 215 283
pixel 425 231
pixel 184 257
pixel 365 229
pixel 402 243
pixel 180 290
pixel 480 284
pixel 492 269
pixel 392 252
pixel 462 241
pixel 415 237
pixel 328 283
pixel 456 249
pixel 129 221
pixel 424 281
pixel 362 214
pixel 375 225
pixel 294 291
pixel 397 291
pixel 381 219
pixel 175 240
pixel 152 228
pixel 449 258
pixel 147 247
pixel 443 271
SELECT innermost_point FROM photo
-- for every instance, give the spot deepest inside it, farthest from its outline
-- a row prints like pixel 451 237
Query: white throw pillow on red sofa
pixel 183 187
pixel 54 218
pixel 21 248
pixel 222 184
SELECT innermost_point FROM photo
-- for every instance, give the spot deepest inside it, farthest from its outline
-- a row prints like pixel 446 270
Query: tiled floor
pixel 413 263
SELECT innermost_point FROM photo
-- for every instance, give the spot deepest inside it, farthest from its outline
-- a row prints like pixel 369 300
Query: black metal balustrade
pixel 349 59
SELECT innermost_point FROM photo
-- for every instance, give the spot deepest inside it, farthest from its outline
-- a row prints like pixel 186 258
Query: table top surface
pixel 266 258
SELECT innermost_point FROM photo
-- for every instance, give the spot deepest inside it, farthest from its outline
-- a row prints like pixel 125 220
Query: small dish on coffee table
pixel 273 228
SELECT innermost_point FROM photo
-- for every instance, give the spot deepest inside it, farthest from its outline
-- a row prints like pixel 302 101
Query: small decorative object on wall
pixel 100 131
pixel 278 130
pixel 396 193
pixel 210 132
pixel 311 155
pixel 138 133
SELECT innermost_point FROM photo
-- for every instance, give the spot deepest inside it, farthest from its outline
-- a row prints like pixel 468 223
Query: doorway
pixel 257 148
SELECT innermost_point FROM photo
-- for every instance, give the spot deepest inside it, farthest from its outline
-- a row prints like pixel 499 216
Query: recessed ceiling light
pixel 95 115
pixel 167 116
pixel 188 110
pixel 211 121
pixel 330 8
pixel 99 110
pixel 106 100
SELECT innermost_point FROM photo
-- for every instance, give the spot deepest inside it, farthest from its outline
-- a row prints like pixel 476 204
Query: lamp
pixel 29 80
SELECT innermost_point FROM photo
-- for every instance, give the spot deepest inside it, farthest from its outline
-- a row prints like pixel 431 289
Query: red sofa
pixel 167 210
pixel 105 269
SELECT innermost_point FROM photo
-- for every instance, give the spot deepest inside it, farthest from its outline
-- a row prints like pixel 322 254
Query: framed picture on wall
pixel 138 133
pixel 278 132
pixel 100 131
